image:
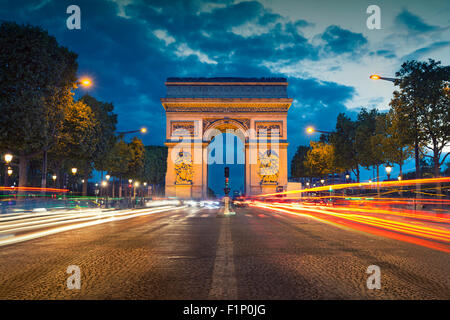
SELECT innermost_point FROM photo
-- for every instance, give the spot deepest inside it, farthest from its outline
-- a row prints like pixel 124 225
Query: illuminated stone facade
pixel 197 109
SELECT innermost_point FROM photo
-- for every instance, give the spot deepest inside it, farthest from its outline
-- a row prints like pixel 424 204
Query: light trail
pixel 383 184
pixel 71 223
pixel 32 189
pixel 435 234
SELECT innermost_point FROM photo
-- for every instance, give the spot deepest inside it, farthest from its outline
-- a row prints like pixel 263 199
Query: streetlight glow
pixel 136 184
pixel 375 77
pixel 8 157
pixel 54 177
pixel 10 171
pixel 310 130
pixel 130 181
pixel 86 82
pixel 144 130
pixel 74 170
pixel 107 177
pixel 104 183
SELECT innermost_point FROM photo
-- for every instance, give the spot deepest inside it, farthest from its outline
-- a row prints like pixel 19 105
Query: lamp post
pixel 130 189
pixel 141 130
pixel 136 185
pixel 74 172
pixel 145 185
pixel 311 130
pixel 388 171
pixel 8 158
pixel 105 186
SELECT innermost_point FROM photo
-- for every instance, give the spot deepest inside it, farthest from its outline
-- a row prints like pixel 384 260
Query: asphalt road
pixel 195 254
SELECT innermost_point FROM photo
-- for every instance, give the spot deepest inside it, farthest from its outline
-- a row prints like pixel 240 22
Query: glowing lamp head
pixel 310 130
pixel 370 181
pixel 54 177
pixel 107 177
pixel 399 178
pixel 347 176
pixel 8 157
pixel 10 171
pixel 145 184
pixel 322 181
pixel 375 77
pixel 86 82
pixel 388 169
pixel 143 130
pixel 130 181
pixel 74 170
pixel 136 184
pixel 104 183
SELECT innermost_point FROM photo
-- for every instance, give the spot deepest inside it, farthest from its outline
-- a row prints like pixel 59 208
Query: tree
pixel 298 169
pixel 77 140
pixel 105 128
pixel 33 70
pixel 424 99
pixel 117 161
pixel 155 165
pixel 320 160
pixel 368 143
pixel 398 141
pixel 344 142
pixel 136 164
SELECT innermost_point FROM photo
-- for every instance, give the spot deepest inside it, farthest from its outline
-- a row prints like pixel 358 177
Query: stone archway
pixel 197 108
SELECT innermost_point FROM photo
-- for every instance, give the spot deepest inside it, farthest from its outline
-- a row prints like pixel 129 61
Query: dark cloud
pixel 339 41
pixel 413 23
pixel 426 51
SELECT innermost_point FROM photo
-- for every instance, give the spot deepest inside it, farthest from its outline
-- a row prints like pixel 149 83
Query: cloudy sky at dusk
pixel 324 48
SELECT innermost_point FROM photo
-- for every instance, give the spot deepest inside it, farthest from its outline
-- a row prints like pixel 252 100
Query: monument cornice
pixel 232 104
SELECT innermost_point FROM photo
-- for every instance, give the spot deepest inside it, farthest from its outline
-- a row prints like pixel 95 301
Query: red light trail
pixel 419 227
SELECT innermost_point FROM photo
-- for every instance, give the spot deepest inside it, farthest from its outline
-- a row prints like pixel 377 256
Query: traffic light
pixel 227 172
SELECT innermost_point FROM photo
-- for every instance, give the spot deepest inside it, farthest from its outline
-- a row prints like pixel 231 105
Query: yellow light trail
pixel 431 235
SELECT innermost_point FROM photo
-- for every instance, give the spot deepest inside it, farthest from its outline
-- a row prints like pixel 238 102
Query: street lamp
pixel 322 181
pixel 141 130
pixel 378 77
pixel 74 171
pixel 85 82
pixel 107 177
pixel 10 171
pixel 8 158
pixel 388 171
pixel 311 130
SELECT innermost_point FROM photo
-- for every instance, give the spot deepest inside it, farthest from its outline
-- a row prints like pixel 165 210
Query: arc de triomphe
pixel 197 109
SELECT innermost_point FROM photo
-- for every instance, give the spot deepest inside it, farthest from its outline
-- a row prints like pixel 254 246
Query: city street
pixel 193 253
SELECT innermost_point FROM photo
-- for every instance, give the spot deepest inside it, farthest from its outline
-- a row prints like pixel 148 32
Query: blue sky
pixel 324 48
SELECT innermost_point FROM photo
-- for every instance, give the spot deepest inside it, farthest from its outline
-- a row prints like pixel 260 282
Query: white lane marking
pixel 223 284
pixel 112 217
